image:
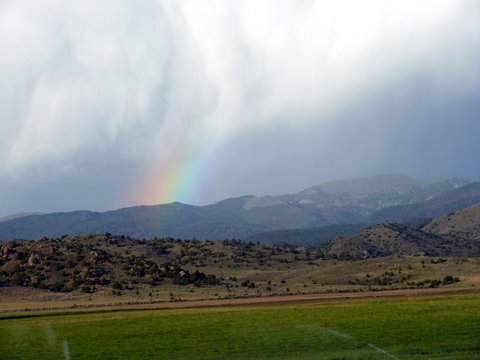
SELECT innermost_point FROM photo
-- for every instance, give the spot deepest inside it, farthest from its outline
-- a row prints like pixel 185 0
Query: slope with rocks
pixel 464 224
pixel 386 240
pixel 456 234
pixel 84 262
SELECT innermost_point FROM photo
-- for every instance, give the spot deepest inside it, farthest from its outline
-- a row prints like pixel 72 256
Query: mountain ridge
pixel 453 200
pixel 241 217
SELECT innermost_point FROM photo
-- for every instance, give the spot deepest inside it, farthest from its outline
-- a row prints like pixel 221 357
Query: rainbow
pixel 181 177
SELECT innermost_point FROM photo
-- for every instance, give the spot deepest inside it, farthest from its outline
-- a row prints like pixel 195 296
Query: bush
pixel 21 255
pixel 86 289
pixel 116 285
pixel 248 283
pixel 20 279
pixel 449 280
pixel 58 286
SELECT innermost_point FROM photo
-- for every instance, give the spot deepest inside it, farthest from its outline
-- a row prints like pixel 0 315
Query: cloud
pixel 79 77
pixel 135 82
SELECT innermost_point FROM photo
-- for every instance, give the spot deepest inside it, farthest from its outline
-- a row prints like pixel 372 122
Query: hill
pixel 464 223
pixel 82 262
pixel 339 202
pixel 75 268
pixel 456 234
pixel 399 240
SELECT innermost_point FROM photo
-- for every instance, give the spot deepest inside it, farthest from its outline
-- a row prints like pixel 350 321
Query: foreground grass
pixel 413 328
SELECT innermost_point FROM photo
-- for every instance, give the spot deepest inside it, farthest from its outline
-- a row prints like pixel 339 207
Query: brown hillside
pixel 89 261
pixel 394 239
pixel 464 223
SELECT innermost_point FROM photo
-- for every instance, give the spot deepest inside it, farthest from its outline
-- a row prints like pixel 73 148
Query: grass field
pixel 444 327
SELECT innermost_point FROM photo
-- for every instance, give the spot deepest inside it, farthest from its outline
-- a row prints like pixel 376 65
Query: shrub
pixel 116 285
pixel 449 280
pixel 86 289
pixel 58 286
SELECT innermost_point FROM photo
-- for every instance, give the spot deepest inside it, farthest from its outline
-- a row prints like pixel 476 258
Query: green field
pixel 446 327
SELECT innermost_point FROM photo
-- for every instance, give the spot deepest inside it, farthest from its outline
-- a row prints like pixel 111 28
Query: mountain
pixel 18 215
pixel 339 202
pixel 450 201
pixel 368 194
pixel 456 234
pixel 413 215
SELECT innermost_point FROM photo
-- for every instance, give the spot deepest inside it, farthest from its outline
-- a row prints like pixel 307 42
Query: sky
pixel 119 103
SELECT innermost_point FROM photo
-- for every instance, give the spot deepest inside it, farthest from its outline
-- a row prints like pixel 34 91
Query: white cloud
pixel 149 77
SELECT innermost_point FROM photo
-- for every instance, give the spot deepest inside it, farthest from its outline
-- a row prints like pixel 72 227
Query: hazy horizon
pixel 114 104
pixel 294 191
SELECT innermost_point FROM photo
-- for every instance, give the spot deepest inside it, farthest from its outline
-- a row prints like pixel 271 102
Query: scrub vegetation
pixel 90 269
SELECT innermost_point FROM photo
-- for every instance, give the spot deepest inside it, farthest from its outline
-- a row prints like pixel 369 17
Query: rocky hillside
pixel 464 223
pixel 457 234
pixel 85 262
pixel 395 239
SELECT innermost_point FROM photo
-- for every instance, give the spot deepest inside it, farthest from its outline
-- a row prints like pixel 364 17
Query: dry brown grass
pixel 321 278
